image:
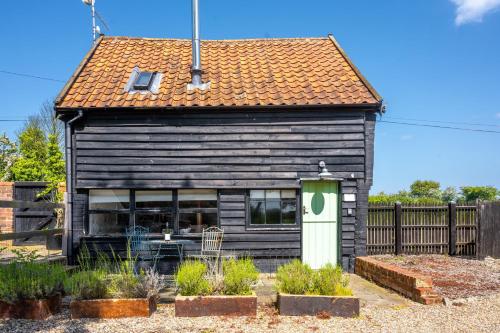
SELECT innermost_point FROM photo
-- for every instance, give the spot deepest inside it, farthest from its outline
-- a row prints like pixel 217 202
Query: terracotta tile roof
pixel 298 71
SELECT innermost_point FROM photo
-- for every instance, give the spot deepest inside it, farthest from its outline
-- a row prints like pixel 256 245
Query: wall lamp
pixel 323 171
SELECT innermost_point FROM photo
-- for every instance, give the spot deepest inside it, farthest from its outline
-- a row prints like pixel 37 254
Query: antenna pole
pixel 93 21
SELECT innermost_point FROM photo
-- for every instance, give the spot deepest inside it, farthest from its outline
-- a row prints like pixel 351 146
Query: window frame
pixel 132 211
pixel 281 226
pixel 142 87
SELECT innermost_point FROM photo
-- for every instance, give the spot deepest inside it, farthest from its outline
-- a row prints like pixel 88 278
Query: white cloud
pixel 406 137
pixel 473 10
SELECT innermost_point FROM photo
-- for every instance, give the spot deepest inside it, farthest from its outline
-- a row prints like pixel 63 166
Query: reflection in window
pixel 154 210
pixel 273 207
pixel 197 210
pixel 153 199
pixel 109 199
pixel 108 223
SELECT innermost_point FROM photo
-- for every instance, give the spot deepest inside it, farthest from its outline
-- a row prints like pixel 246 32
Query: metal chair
pixel 211 243
pixel 137 238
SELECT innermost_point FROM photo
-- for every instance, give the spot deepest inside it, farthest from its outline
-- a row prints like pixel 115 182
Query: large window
pixel 197 210
pixel 273 208
pixel 112 211
pixel 108 211
pixel 154 210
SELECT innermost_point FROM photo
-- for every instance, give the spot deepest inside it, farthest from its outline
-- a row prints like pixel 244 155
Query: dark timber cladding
pixel 232 151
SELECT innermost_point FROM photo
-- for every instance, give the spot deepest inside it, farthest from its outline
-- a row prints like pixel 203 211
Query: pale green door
pixel 320 223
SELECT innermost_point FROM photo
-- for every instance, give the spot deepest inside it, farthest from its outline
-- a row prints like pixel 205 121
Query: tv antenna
pixel 96 30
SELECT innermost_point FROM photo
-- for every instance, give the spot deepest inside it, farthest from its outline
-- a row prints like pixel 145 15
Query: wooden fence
pixel 421 229
pixel 489 229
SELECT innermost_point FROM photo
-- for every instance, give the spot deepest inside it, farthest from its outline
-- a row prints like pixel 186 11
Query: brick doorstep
pixel 415 286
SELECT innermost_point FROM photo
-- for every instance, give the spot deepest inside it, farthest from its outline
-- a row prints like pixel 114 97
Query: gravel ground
pixel 476 315
pixel 453 277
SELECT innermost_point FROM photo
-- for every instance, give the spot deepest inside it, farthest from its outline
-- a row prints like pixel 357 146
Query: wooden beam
pixel 30 234
pixel 29 204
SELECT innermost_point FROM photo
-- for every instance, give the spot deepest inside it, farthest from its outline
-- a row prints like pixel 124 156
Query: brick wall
pixel 6 214
pixel 410 284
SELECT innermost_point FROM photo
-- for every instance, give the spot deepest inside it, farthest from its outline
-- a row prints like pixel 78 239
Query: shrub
pixel 239 276
pixel 294 278
pixel 85 285
pixel 107 277
pixel 30 280
pixel 190 279
pixel 299 279
pixel 150 284
pixel 330 281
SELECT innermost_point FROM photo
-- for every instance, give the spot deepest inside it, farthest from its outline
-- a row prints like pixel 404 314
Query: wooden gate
pixel 489 229
pixel 29 219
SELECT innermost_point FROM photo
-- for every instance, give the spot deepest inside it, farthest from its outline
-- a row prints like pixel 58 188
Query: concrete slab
pixel 372 295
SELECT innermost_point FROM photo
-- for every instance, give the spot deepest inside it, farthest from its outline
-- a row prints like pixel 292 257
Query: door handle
pixel 304 210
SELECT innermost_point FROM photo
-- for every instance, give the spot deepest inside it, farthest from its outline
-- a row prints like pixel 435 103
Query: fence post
pixel 452 228
pixel 398 231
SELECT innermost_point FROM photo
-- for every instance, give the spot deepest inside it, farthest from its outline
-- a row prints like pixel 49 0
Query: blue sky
pixel 430 59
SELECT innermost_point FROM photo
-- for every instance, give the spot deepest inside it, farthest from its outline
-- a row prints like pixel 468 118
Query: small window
pixel 109 199
pixel 272 207
pixel 143 80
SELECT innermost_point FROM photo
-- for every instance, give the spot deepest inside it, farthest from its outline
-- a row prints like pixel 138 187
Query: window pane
pixel 108 224
pixel 154 222
pixel 273 212
pixel 288 194
pixel 153 199
pixel 197 199
pixel 257 212
pixel 143 80
pixel 196 222
pixel 109 199
pixel 288 210
pixel 257 194
pixel 272 194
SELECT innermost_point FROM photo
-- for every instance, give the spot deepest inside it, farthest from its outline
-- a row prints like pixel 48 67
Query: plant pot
pixel 112 308
pixel 311 305
pixel 200 306
pixel 54 242
pixel 31 309
pixel 168 237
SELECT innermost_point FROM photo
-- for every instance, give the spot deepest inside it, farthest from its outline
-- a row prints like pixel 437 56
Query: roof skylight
pixel 144 80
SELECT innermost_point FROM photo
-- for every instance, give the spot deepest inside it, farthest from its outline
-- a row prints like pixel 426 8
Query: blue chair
pixel 138 238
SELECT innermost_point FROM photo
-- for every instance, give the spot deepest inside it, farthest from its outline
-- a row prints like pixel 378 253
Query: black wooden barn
pixel 274 145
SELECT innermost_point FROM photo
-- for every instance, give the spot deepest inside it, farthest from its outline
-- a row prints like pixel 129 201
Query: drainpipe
pixel 68 232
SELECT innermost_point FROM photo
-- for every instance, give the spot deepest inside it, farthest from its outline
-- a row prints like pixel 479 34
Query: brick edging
pixel 413 285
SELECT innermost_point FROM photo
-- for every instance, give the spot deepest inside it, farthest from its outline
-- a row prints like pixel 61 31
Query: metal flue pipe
pixel 196 71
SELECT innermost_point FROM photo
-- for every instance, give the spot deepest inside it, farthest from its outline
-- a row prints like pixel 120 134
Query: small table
pixel 162 244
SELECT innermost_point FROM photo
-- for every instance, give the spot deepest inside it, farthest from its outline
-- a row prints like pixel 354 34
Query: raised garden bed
pixel 31 309
pixel 200 306
pixel 413 285
pixel 312 305
pixel 112 308
pixel 452 277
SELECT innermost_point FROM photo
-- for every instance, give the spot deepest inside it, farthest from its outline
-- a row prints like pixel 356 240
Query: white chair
pixel 211 244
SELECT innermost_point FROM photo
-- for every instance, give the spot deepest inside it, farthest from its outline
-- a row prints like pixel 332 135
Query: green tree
pixel 449 194
pixel 32 153
pixel 425 189
pixel 54 167
pixel 8 155
pixel 472 193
